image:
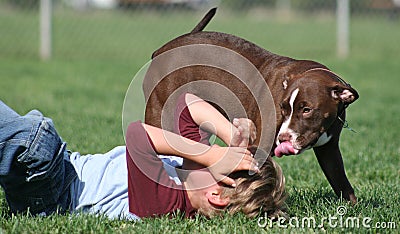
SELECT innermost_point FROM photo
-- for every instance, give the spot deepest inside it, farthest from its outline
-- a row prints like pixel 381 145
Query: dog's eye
pixel 306 110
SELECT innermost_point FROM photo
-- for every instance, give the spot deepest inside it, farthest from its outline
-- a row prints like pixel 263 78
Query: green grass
pixel 96 55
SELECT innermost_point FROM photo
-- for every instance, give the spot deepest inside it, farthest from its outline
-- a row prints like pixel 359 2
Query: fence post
pixel 343 21
pixel 45 29
pixel 283 7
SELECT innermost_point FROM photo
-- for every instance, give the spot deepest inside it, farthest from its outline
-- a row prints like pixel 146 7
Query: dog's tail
pixel 206 19
pixel 199 27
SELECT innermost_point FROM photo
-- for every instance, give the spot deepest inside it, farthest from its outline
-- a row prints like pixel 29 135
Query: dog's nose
pixel 284 137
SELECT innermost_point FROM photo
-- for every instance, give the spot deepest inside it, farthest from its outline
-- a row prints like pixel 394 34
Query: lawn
pixel 96 55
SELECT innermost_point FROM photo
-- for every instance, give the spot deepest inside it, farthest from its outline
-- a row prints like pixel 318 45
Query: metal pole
pixel 283 5
pixel 343 22
pixel 283 8
pixel 45 29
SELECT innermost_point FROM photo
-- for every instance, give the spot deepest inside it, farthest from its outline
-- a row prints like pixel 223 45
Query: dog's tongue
pixel 284 148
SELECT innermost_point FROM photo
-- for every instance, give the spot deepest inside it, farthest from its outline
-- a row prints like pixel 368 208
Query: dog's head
pixel 312 102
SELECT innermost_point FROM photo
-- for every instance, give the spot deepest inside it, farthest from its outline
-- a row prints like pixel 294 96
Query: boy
pixel 39 175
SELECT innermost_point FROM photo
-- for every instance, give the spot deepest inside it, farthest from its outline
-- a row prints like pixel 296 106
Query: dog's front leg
pixel 330 159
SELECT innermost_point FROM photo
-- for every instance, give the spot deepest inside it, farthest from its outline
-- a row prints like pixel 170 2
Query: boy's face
pixel 199 179
pixel 203 190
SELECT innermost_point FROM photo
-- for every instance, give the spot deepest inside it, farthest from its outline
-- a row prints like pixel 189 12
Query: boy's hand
pixel 245 133
pixel 230 159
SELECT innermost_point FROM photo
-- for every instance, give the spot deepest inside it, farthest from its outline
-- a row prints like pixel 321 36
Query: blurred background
pixel 132 29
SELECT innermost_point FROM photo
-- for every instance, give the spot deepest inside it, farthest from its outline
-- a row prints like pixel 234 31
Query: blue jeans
pixel 35 170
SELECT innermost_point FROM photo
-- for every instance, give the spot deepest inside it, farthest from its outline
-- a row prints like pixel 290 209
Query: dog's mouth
pixel 286 148
pixel 296 145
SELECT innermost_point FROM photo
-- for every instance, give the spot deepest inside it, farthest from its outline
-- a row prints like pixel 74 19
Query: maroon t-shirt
pixel 151 191
pixel 185 125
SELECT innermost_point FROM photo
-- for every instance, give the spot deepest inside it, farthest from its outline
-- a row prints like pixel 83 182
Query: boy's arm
pixel 240 133
pixel 220 160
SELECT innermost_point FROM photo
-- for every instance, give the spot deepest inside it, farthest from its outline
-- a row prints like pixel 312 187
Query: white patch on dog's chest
pixel 323 139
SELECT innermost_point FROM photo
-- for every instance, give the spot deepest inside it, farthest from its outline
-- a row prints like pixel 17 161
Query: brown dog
pixel 309 100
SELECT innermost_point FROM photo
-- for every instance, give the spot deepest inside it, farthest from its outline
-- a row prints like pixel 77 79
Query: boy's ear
pixel 214 197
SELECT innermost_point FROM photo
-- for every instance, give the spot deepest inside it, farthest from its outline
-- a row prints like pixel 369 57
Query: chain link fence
pixel 129 29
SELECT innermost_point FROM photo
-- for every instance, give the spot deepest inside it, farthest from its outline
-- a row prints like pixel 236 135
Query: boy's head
pixel 254 194
pixel 262 192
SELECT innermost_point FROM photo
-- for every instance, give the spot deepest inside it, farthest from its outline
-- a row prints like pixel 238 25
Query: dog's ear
pixel 344 93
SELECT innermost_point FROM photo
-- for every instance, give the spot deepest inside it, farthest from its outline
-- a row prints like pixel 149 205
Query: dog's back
pixel 254 53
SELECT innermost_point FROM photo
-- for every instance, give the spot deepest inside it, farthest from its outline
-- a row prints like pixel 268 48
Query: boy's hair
pixel 256 193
